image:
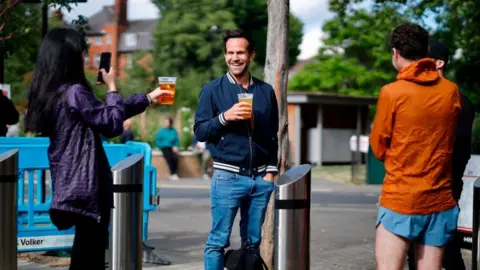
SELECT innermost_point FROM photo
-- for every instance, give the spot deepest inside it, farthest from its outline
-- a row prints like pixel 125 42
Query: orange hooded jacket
pixel 414 133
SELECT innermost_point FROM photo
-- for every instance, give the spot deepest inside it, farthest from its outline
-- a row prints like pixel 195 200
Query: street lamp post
pixel 212 31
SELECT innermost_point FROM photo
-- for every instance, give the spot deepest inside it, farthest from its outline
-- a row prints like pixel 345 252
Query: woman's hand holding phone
pixel 109 79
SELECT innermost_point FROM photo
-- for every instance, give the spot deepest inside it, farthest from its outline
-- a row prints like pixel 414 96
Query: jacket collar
pixel 232 80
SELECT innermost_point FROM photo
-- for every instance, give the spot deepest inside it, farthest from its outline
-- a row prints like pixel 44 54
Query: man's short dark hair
pixel 410 40
pixel 238 34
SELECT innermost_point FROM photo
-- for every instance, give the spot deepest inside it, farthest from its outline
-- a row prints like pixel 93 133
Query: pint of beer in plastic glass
pixel 246 97
pixel 167 83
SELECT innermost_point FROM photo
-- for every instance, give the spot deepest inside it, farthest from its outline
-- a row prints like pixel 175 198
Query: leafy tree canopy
pixel 356 58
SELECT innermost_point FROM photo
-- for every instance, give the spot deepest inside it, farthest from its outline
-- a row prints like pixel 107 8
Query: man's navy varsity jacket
pixel 236 146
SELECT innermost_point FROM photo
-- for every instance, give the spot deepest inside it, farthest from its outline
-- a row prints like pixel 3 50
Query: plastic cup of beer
pixel 167 83
pixel 248 98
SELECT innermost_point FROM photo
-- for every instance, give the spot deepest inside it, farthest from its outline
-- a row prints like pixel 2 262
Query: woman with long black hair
pixel 62 106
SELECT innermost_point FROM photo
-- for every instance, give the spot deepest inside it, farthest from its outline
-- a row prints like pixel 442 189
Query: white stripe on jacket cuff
pixel 222 119
pixel 272 169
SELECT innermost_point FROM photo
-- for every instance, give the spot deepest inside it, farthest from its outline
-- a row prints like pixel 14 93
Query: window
pixel 108 39
pixel 131 40
pixel 96 61
pixel 129 60
pixel 98 40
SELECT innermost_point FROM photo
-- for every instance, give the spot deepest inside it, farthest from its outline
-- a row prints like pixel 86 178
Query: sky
pixel 311 12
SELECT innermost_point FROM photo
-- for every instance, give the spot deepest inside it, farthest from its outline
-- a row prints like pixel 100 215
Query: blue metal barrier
pixel 35 229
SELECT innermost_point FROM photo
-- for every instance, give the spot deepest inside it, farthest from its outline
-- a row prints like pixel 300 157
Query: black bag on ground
pixel 242 259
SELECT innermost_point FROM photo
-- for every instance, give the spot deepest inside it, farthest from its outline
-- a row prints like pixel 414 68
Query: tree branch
pixel 9 6
pixel 4 13
pixel 11 36
pixel 4 22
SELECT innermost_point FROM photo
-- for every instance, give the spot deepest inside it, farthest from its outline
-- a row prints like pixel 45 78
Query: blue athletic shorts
pixel 431 230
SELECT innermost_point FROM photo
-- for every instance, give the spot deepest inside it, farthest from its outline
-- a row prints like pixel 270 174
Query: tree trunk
pixel 276 73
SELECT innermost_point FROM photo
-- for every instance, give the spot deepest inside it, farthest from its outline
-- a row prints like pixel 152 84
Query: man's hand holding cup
pixel 239 111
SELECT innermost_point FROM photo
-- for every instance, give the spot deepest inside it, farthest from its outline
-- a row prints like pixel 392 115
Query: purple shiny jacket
pixel 81 176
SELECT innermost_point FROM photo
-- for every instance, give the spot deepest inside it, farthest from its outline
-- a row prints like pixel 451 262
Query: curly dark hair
pixel 238 33
pixel 410 40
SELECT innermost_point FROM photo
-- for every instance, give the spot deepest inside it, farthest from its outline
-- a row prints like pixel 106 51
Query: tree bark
pixel 276 73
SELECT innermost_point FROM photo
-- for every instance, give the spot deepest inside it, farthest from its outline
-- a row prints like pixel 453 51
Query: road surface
pixel 342 228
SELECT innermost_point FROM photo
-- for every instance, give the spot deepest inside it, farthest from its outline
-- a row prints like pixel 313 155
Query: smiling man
pixel 242 139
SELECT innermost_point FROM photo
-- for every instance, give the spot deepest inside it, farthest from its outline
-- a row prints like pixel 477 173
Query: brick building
pixel 121 37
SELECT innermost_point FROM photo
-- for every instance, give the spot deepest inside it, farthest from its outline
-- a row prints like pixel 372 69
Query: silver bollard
pixel 127 217
pixel 292 219
pixel 476 226
pixel 8 209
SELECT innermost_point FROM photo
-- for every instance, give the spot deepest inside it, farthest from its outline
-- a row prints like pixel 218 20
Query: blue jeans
pixel 230 191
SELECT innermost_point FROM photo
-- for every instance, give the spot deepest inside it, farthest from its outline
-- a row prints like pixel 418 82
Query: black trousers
pixel 452 258
pixel 91 238
pixel 171 158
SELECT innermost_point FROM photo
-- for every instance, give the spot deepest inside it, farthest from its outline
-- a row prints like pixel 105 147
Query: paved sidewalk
pixel 342 231
pixel 24 265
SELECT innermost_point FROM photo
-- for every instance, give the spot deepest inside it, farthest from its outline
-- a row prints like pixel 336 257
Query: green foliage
pixel 182 47
pixel 99 90
pixel 187 128
pixel 457 24
pixel 251 14
pixel 22 22
pixel 153 124
pixel 355 58
pixel 21 48
pixel 20 39
pixel 139 79
pixel 182 37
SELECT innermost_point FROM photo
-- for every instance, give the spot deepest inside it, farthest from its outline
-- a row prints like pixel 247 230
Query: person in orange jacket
pixel 414 134
pixel 452 258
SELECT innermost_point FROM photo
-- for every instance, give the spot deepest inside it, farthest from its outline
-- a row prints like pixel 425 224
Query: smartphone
pixel 105 59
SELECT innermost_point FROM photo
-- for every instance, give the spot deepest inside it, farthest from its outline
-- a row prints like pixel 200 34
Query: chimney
pixel 121 12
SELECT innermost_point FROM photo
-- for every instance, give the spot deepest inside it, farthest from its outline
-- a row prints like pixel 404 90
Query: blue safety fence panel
pixel 35 229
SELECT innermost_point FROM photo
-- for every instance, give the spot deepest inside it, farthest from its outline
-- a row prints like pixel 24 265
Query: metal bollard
pixel 476 225
pixel 292 219
pixel 127 217
pixel 8 209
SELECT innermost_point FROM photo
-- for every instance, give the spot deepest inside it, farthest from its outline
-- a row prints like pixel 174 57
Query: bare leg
pixel 429 257
pixel 390 250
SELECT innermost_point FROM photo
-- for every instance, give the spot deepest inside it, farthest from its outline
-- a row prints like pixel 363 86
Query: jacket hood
pixel 423 71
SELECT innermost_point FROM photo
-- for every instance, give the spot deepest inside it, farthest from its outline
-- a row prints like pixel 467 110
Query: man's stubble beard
pixel 242 73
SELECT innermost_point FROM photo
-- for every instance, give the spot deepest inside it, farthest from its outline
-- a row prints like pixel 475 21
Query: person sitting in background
pixel 127 134
pixel 167 141
pixel 204 156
